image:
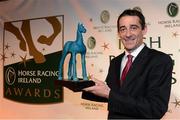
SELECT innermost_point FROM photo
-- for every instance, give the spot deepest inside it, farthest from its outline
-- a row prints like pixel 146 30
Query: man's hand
pixel 100 89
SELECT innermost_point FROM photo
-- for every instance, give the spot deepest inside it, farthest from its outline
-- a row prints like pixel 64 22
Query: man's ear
pixel 145 30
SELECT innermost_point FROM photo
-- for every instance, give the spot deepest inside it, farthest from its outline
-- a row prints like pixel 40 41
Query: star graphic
pixel 105 46
pixel 3 57
pixel 6 47
pixel 90 76
pixel 169 110
pixel 23 60
pixel 43 49
pixel 101 70
pixel 177 103
pixel 13 54
pixel 90 19
pixel 175 34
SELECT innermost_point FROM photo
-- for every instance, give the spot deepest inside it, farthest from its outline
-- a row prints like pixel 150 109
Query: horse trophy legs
pixel 83 62
pixel 61 65
pixel 70 70
pixel 74 67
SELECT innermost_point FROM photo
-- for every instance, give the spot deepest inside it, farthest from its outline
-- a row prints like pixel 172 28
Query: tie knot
pixel 129 57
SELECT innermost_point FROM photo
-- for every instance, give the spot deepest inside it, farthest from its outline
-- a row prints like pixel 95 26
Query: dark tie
pixel 126 68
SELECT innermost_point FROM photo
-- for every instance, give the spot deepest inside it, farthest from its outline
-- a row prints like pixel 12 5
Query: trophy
pixel 74 47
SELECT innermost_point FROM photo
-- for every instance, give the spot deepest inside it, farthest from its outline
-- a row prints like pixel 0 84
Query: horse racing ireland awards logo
pixel 30 61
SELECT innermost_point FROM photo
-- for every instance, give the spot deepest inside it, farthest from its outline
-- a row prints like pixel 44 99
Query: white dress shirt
pixel 134 54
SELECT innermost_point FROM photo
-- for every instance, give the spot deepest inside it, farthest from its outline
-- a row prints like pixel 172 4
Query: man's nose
pixel 128 33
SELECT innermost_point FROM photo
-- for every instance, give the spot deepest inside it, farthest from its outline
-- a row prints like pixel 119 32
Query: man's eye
pixel 122 29
pixel 134 27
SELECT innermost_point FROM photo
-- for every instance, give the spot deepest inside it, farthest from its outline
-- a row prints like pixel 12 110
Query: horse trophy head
pixel 81 28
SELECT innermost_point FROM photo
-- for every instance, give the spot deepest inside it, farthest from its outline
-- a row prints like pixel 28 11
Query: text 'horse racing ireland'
pixel 74 47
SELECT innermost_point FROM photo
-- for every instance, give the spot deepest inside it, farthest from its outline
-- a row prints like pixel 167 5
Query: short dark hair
pixel 132 12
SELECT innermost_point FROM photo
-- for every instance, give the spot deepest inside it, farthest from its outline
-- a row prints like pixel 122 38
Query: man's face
pixel 130 32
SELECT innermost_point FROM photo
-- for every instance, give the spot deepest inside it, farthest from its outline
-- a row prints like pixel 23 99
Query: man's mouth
pixel 130 38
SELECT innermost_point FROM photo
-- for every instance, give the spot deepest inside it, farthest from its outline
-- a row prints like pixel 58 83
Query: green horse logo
pixel 172 9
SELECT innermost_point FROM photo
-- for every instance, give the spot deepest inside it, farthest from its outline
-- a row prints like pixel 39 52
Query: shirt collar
pixel 136 51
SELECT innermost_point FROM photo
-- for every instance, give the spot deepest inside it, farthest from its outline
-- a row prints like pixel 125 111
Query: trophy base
pixel 75 86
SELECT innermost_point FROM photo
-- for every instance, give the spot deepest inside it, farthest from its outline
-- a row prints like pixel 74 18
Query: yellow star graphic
pixel 23 60
pixel 90 19
pixel 13 54
pixel 101 70
pixel 43 49
pixel 3 57
pixel 169 110
pixel 90 76
pixel 6 46
pixel 105 46
pixel 175 34
pixel 177 103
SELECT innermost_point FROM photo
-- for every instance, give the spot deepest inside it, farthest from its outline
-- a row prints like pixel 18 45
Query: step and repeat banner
pixel 33 34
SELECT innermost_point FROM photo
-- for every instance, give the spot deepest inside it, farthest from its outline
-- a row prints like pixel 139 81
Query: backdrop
pixel 33 32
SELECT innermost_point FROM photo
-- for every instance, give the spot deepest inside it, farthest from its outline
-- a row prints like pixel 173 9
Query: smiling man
pixel 138 83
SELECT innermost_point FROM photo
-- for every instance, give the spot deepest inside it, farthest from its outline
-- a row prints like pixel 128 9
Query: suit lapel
pixel 118 67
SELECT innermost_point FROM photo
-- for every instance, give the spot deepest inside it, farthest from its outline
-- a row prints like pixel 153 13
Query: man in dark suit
pixel 143 90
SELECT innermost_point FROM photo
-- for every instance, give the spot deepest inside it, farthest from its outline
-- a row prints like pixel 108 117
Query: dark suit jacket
pixel 146 90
